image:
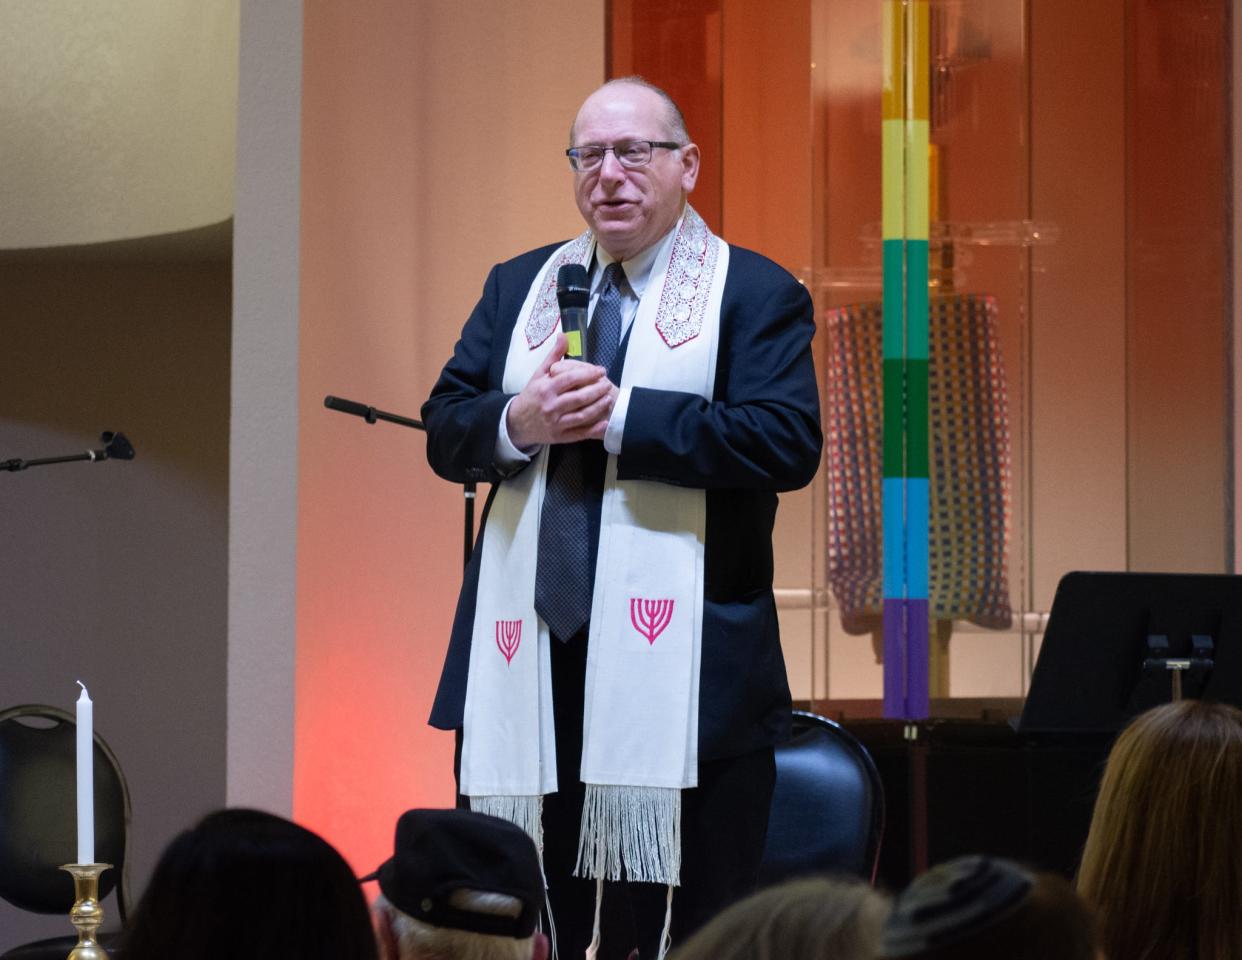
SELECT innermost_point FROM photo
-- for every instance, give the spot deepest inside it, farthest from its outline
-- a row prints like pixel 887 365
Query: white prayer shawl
pixel 640 729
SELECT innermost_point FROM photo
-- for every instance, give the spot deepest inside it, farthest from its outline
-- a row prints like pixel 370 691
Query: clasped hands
pixel 563 402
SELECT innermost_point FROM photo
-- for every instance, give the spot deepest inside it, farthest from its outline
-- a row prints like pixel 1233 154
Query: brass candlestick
pixel 86 914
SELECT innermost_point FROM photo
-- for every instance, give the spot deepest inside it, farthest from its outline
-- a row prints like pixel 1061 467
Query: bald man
pixel 615 670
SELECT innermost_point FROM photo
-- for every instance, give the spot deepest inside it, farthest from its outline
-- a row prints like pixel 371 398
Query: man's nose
pixel 610 168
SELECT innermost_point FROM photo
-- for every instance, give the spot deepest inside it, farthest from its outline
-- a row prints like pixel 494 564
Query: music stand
pixel 1115 643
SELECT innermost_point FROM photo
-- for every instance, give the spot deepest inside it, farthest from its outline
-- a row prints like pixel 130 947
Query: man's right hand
pixel 563 402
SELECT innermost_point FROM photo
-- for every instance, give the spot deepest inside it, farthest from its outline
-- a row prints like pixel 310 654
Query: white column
pixel 263 465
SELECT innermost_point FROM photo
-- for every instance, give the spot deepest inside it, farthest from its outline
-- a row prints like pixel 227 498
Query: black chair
pixel 38 821
pixel 827 813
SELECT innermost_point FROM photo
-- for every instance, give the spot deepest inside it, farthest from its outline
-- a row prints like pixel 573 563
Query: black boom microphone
pixel 115 447
pixel 369 414
pixel 573 293
pixel 353 407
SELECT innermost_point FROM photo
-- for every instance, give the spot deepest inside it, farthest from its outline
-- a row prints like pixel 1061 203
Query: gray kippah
pixel 951 902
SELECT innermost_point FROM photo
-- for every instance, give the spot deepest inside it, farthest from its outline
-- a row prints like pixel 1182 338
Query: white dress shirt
pixel 637 275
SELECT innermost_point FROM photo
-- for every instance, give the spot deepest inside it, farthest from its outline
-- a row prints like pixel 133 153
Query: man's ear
pixel 385 937
pixel 689 166
pixel 539 946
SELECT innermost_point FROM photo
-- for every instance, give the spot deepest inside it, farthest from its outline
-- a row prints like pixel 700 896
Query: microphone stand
pixel 370 415
pixel 116 447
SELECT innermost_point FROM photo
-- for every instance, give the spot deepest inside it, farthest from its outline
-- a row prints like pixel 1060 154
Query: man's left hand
pixel 590 422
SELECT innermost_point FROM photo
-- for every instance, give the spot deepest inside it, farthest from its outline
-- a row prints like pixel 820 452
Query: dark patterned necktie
pixel 564 572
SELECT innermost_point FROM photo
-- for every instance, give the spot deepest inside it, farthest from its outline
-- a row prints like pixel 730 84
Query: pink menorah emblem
pixel 650 617
pixel 508 637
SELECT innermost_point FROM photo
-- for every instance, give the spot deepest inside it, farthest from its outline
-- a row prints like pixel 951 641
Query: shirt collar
pixel 638 267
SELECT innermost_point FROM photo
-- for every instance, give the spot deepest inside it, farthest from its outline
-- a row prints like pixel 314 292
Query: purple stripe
pixel 905 659
pixel 917 705
pixel 894 659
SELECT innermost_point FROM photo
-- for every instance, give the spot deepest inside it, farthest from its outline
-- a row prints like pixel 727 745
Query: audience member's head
pixel 816 918
pixel 985 908
pixel 1163 860
pixel 249 885
pixel 460 886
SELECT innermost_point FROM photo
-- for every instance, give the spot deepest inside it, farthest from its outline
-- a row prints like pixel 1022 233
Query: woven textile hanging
pixel 969 481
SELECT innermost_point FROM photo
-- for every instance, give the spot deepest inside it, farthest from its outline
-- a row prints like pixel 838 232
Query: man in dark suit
pixel 752 434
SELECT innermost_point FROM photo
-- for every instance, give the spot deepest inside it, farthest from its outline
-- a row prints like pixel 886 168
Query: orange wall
pixel 1177 284
pixel 741 72
pixel 1077 366
pixel 1236 369
pixel 767 188
pixel 678 47
pixel 417 118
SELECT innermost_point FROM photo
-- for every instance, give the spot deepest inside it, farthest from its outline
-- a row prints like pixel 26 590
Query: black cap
pixel 438 852
pixel 953 902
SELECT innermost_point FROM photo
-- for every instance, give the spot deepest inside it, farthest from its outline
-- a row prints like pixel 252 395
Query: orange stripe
pixel 893 91
pixel 918 27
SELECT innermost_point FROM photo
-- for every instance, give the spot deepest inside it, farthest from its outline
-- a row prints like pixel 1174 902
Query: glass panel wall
pixel 1078 288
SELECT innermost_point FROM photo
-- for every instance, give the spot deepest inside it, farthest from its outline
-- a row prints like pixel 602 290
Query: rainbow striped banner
pixel 905 232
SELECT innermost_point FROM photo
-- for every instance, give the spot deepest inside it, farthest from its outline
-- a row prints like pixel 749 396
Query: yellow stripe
pixel 916 180
pixel 893 91
pixel 893 179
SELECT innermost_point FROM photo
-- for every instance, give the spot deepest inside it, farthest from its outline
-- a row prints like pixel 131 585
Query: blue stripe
pixel 916 537
pixel 894 538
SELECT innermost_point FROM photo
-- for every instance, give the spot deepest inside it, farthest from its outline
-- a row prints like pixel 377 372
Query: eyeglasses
pixel 630 153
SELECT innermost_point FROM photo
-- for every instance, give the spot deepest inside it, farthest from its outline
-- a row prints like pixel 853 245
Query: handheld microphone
pixel 573 293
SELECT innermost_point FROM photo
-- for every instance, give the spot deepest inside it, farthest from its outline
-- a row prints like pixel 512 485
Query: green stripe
pixel 905 437
pixel 916 401
pixel 894 417
pixel 916 299
pixel 894 299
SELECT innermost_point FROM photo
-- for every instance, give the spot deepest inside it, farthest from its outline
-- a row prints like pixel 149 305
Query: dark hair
pixel 250 885
pixel 1163 859
pixel 1051 923
pixel 815 918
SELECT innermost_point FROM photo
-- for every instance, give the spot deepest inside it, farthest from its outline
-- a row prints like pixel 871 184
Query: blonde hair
pixel 816 918
pixel 422 941
pixel 1163 860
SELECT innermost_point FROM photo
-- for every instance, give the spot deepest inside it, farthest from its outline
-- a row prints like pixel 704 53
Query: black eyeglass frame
pixel 573 153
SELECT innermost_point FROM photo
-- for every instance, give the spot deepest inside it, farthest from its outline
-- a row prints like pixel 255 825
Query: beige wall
pixel 431 149
pixel 119 118
pixel 115 573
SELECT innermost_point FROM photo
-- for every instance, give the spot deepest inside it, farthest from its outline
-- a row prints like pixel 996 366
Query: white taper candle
pixel 86 778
